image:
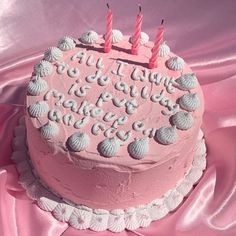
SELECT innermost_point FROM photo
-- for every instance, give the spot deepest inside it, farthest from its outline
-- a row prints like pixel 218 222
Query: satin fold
pixel 202 32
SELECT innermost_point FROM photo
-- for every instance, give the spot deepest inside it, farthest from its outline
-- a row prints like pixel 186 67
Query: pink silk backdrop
pixel 202 32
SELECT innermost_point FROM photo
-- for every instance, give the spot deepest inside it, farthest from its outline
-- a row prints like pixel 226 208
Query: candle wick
pixel 108 6
pixel 140 8
pixel 162 21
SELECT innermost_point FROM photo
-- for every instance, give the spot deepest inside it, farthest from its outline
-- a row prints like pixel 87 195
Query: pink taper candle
pixel 108 35
pixel 137 33
pixel 159 38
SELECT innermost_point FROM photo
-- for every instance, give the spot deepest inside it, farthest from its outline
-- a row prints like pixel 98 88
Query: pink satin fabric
pixel 202 32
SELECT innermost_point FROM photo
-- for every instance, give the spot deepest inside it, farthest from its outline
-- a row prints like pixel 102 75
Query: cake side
pixel 82 217
pixel 122 172
pixel 103 187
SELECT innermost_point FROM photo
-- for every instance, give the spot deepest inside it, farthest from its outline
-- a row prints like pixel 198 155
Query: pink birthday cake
pixel 110 144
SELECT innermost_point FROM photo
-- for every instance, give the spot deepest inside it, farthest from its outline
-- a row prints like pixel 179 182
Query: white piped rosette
pixel 62 212
pixel 66 43
pixel 144 38
pixel 38 109
pixel 53 54
pixel 164 50
pixel 99 220
pixel 78 142
pixel 37 86
pixel 116 221
pixel 83 217
pixel 175 63
pixel 117 36
pixel 43 68
pixel 109 147
pixel 89 37
pixel 182 120
pixel 189 102
pixel 166 135
pixel 139 148
pixel 131 221
pixel 187 82
pixel 49 130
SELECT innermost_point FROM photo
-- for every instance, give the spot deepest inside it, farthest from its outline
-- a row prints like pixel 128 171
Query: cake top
pixel 109 107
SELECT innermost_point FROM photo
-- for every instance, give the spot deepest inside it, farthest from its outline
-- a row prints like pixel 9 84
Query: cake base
pixel 83 217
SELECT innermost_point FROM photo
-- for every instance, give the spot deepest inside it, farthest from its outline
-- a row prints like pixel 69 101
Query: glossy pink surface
pixel 203 33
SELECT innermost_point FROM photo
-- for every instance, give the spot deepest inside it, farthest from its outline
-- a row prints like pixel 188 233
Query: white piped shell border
pixel 98 219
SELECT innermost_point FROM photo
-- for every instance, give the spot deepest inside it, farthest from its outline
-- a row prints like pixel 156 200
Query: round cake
pixel 107 134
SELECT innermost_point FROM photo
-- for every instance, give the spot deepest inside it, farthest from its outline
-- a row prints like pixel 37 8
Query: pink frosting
pixel 88 178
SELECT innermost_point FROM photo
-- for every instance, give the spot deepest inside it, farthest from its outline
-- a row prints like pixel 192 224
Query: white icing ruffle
pixel 144 38
pixel 187 82
pixel 49 130
pixel 89 37
pixel 117 36
pixel 164 50
pixel 200 160
pixel 175 63
pixel 166 135
pixel 35 189
pixel 19 155
pixel 78 141
pixel 62 212
pixel 131 221
pixel 26 178
pixel 116 222
pixel 99 221
pixel 43 68
pixel 109 147
pixel 158 209
pixel 23 166
pixel 139 148
pixel 47 204
pixel 37 86
pixel 82 217
pixel 189 102
pixel 173 199
pixel 20 130
pixel 194 175
pixel 53 54
pixel 66 43
pixel 38 109
pixel 182 120
pixel 18 143
pixel 22 120
pixel 143 216
pixel 184 187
